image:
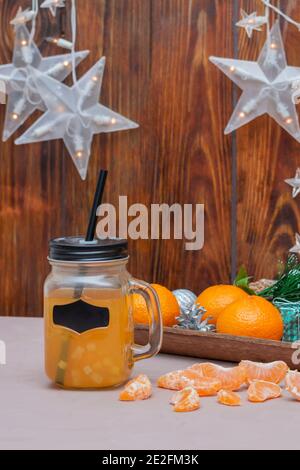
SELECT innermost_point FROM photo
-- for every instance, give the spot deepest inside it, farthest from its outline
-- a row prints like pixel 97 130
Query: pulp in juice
pixel 97 358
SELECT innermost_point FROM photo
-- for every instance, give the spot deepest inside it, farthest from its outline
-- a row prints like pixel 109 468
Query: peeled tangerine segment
pixel 226 397
pixel 186 400
pixel 232 378
pixel 138 388
pixel 208 386
pixel 178 379
pixel 261 390
pixel 292 382
pixel 171 380
pixel 273 372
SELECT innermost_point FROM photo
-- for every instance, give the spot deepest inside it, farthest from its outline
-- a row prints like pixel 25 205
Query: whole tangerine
pixel 254 317
pixel 215 298
pixel 168 305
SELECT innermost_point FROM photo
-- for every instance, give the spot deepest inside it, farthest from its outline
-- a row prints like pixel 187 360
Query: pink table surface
pixel 35 415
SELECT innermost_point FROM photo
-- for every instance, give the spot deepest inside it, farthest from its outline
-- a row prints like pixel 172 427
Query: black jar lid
pixel 79 250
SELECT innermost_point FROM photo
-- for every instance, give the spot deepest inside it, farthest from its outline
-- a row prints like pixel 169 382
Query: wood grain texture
pixel 220 347
pixel 267 215
pixel 157 74
pixel 31 179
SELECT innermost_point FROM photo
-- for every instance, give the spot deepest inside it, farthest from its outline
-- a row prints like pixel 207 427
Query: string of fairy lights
pixel 33 82
pixel 269 85
pixel 252 22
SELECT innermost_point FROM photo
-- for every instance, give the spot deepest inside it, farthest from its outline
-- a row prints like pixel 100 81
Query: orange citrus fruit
pixel 207 386
pixel 231 378
pixel 186 399
pixel 215 298
pixel 270 372
pixel 178 379
pixel 292 381
pixel 171 380
pixel 190 378
pixel 138 388
pixel 260 390
pixel 226 397
pixel 168 304
pixel 252 316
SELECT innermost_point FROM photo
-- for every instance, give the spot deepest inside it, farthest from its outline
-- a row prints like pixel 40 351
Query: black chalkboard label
pixel 80 316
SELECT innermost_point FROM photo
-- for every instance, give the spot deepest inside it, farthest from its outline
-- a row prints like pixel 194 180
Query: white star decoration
pixel 23 97
pixel 22 16
pixel 295 183
pixel 75 115
pixel 266 84
pixel 251 22
pixel 53 5
pixel 296 248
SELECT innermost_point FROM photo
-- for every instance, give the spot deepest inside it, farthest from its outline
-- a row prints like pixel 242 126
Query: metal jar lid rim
pixel 76 249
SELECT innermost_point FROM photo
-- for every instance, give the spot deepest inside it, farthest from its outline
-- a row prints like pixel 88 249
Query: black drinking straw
pixel 90 234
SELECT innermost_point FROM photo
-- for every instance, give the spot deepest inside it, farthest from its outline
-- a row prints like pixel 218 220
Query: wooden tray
pixel 220 347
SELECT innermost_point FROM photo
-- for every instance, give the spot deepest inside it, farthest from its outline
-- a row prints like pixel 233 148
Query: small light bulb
pixel 15 116
pixel 61 42
pixel 66 63
pixel 251 21
pixel 232 68
pixel 79 154
pixel 242 115
pixel 24 42
pixel 95 78
pixel 273 45
pixel 289 120
pixel 113 121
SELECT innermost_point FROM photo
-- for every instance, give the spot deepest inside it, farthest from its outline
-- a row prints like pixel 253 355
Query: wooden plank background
pixel 157 74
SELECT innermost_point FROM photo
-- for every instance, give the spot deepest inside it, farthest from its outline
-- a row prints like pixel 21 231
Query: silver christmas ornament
pixel 191 318
pixel 185 298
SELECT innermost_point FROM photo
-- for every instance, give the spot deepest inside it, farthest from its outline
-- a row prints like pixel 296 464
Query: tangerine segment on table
pixel 190 378
pixel 232 378
pixel 271 372
pixel 226 397
pixel 207 386
pixel 179 379
pixel 138 388
pixel 174 380
pixel 292 382
pixel 186 399
pixel 260 390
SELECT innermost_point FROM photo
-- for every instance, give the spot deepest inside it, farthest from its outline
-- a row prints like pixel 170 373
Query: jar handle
pixel 155 323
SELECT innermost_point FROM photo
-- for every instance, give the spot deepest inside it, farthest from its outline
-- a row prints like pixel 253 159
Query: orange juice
pixel 89 331
pixel 101 357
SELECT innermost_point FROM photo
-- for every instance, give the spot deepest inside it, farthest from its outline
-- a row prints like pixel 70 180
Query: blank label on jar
pixel 80 316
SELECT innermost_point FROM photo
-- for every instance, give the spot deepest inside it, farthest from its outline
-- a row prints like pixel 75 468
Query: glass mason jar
pixel 89 330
